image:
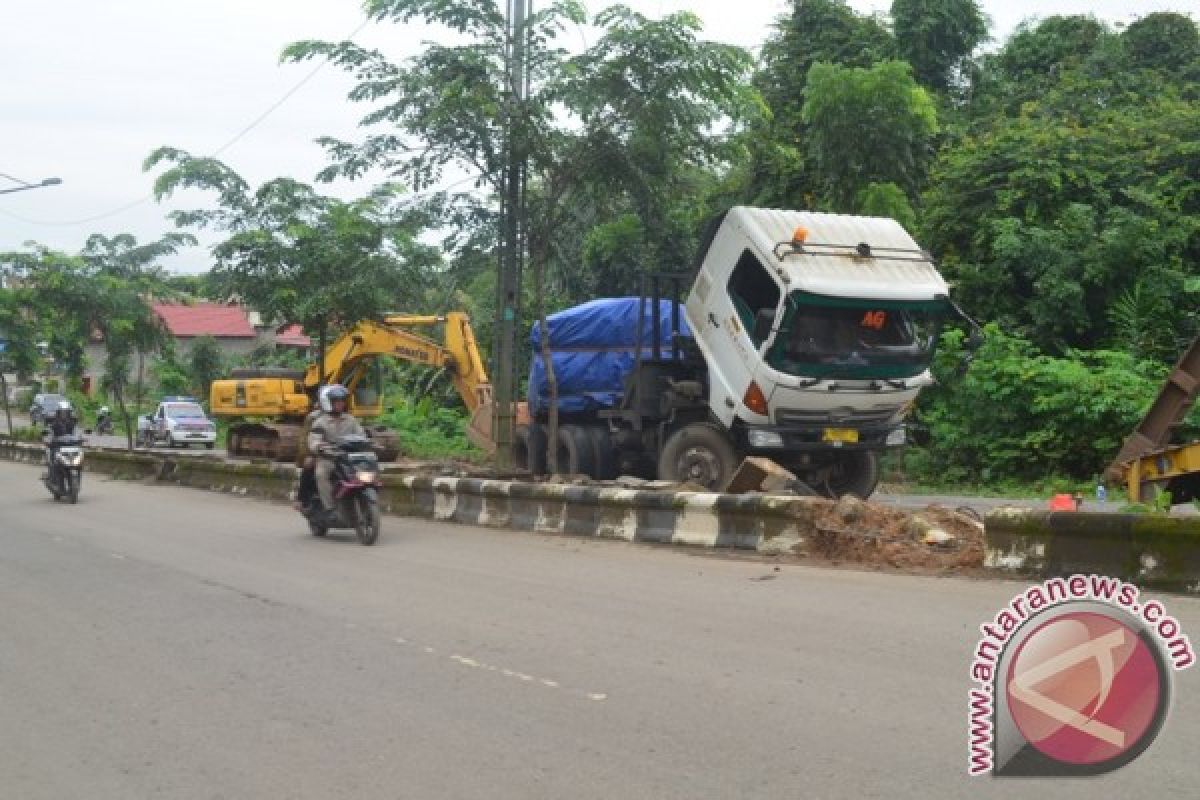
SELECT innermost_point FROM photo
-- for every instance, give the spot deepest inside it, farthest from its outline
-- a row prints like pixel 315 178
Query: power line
pixel 229 143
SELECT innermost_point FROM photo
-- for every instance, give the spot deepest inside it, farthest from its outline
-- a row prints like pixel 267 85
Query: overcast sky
pixel 91 88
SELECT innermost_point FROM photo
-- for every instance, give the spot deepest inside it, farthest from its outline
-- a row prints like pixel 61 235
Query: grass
pixel 429 431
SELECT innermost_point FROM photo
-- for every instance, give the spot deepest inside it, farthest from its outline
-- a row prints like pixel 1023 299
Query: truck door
pixel 731 290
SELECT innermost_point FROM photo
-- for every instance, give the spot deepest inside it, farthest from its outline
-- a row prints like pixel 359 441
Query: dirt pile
pixel 936 539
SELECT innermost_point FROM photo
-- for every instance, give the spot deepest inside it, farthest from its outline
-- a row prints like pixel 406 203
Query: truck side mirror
pixel 764 321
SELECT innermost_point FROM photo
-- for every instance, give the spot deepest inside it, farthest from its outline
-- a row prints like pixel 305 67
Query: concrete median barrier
pixel 769 524
pixel 1148 549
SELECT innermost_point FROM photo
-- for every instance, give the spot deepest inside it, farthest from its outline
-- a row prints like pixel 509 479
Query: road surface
pixel 163 642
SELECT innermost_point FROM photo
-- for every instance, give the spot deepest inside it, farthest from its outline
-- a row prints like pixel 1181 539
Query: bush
pixel 1019 415
pixel 430 431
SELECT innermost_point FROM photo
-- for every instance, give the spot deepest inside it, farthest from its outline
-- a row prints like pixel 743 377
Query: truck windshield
pixel 833 337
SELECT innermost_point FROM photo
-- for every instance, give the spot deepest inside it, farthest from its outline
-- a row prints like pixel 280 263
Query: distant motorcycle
pixel 355 490
pixel 64 468
pixel 104 423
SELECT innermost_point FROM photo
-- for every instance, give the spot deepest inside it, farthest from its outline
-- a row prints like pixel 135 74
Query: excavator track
pixel 276 440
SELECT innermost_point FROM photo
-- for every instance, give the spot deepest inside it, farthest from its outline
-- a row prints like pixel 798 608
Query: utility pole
pixel 508 285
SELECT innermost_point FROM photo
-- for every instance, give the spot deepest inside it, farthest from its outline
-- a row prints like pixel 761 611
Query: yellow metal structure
pixel 1170 469
pixel 349 361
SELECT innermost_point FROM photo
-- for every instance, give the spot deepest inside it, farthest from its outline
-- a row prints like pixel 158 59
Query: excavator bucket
pixel 479 427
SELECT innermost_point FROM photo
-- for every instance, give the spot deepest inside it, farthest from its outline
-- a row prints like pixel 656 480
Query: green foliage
pixel 170 376
pixel 27 434
pixel 295 255
pixel 1047 218
pixel 887 200
pixel 430 430
pixel 937 36
pixel 634 125
pixel 779 168
pixel 206 363
pixel 1018 414
pixel 1163 41
pixel 868 126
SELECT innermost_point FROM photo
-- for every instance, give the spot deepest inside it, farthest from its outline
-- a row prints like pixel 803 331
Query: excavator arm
pixel 347 362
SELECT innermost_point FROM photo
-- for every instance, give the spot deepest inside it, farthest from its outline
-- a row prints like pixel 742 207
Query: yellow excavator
pixel 270 404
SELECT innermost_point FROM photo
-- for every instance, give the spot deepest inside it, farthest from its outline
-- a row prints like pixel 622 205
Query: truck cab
pixel 817 331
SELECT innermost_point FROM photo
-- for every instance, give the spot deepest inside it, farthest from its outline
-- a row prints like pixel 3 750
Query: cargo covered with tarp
pixel 593 348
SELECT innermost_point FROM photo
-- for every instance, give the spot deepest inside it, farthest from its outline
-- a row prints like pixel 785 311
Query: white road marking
pixel 466 661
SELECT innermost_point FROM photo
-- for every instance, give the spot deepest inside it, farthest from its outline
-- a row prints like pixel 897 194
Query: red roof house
pixel 205 319
pixel 292 336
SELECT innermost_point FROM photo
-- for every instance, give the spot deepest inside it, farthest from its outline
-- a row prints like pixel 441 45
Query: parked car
pixel 177 422
pixel 43 407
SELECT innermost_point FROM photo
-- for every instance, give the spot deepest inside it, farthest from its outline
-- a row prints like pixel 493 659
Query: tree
pixel 19 332
pixel 1045 219
pixel 1163 41
pixel 779 168
pixel 297 256
pixel 206 363
pixel 868 126
pixel 937 36
pixel 104 292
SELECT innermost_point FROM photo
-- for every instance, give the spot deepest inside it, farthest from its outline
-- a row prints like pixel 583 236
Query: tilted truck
pixel 804 337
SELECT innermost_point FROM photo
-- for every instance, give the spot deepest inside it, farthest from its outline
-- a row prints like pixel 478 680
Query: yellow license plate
pixel 840 435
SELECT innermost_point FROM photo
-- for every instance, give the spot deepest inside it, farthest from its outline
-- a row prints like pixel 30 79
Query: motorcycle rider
pixel 333 424
pixel 61 424
pixel 103 420
pixel 305 460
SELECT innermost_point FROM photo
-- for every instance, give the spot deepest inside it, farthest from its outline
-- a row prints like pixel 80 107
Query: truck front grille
pixel 838 417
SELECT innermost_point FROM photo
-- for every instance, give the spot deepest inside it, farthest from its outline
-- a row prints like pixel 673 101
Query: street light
pixel 26 186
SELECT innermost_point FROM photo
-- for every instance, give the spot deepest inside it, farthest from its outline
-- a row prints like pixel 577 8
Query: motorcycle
pixel 355 489
pixel 104 423
pixel 64 470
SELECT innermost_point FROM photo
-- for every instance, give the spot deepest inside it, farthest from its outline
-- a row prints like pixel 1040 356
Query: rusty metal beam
pixel 1167 411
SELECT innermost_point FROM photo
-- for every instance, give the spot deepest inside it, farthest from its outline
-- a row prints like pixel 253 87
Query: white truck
pixel 177 422
pixel 804 337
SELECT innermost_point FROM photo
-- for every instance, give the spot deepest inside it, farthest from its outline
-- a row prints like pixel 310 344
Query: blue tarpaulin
pixel 593 347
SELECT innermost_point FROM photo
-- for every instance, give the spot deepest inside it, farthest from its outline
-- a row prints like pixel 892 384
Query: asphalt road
pixel 164 642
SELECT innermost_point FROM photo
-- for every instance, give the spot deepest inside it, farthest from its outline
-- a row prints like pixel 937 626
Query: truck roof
pixel 829 264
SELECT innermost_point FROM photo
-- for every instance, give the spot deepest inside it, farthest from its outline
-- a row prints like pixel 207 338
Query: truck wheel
pixel 854 472
pixel 575 451
pixel 605 456
pixel 529 448
pixel 698 453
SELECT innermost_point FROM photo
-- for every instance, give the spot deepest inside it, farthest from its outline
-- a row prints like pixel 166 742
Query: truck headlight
pixel 758 438
pixel 895 438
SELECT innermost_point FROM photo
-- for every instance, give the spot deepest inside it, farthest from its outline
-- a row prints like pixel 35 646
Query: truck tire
pixel 855 472
pixel 575 455
pixel 529 448
pixel 605 456
pixel 698 453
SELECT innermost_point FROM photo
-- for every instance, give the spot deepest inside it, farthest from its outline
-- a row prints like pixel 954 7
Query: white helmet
pixel 334 391
pixel 103 410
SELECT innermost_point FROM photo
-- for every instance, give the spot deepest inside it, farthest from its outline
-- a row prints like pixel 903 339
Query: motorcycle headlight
pixel 366 476
pixel 70 458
